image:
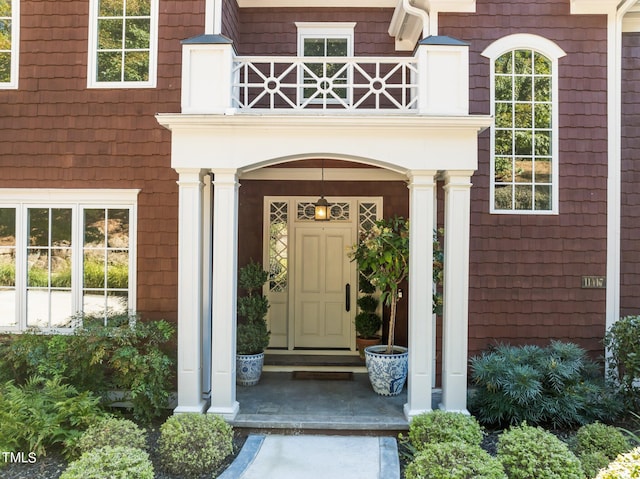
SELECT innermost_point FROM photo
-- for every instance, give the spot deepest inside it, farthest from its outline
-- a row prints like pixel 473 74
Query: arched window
pixel 524 139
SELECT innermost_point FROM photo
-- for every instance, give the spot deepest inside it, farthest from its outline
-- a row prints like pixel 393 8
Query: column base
pixel 461 411
pixel 198 408
pixel 409 413
pixel 227 413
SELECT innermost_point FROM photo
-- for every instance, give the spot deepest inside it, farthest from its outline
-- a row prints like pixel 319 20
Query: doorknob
pixel 347 292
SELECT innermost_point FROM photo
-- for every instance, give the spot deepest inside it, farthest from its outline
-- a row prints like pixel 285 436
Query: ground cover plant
pixel 626 466
pixel 118 462
pixel 597 444
pixel 125 354
pixel 555 385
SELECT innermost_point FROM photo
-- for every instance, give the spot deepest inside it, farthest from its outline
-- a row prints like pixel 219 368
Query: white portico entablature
pixel 397 143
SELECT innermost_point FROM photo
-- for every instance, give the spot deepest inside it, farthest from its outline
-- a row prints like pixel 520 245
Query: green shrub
pixel 44 413
pixel 125 355
pixel 111 462
pixel 193 444
pixel 593 462
pixel 556 385
pixel 442 426
pixel 112 432
pixel 622 342
pixel 626 466
pixel 528 452
pixel 454 460
pixel 600 437
pixel 252 335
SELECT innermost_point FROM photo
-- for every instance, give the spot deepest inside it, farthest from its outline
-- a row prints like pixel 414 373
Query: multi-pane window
pixel 124 38
pixel 328 81
pixel 61 260
pixel 523 134
pixel 524 160
pixel 9 41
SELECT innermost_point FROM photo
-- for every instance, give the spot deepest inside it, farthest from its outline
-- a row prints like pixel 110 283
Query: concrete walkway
pixel 316 457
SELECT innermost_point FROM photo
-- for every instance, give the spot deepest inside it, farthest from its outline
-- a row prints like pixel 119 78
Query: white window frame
pixel 92 81
pixel 15 47
pixel 76 200
pixel 553 52
pixel 325 30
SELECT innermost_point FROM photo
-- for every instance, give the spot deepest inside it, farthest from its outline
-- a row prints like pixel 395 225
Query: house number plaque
pixel 594 282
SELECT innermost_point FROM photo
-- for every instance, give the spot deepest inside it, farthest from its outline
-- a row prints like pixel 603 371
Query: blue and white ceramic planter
pixel 387 372
pixel 248 369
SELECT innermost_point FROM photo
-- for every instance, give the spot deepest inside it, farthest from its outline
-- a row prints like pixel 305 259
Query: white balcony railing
pixel 434 81
pixel 325 83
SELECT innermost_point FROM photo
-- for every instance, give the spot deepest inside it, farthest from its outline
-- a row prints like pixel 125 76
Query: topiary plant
pixel 454 460
pixel 528 452
pixel 194 444
pixel 111 462
pixel 443 426
pixel 626 466
pixel 112 432
pixel 252 333
pixel 600 437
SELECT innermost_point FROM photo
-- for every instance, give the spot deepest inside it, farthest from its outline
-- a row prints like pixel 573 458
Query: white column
pixel 190 292
pixel 207 263
pixel 421 225
pixel 455 330
pixel 224 293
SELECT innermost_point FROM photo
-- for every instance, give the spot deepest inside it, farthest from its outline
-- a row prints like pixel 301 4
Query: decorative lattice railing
pixel 326 83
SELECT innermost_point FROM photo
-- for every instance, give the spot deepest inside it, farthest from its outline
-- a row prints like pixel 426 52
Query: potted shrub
pixel 367 321
pixel 252 334
pixel 383 251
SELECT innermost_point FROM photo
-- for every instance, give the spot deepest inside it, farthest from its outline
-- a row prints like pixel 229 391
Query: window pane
pixel 543 170
pixel 523 197
pixel 504 63
pixel 504 112
pixel 93 268
pixel 136 66
pixel 93 303
pixel 110 34
pixel 504 88
pixel 503 197
pixel 5 67
pixel 60 227
pixel 37 308
pixel 5 33
pixel 504 142
pixel 8 307
pixel 110 8
pixel 138 33
pixel 543 89
pixel 118 270
pixel 38 226
pixel 542 64
pixel 5 8
pixel 543 197
pixel 118 228
pixel 7 267
pixel 7 227
pixel 524 170
pixel 117 302
pixel 94 228
pixel 503 169
pixel 138 8
pixel 61 268
pixel 109 66
pixel 522 89
pixel 524 143
pixel 524 115
pixel 314 47
pixel 38 268
pixel 337 47
pixel 543 143
pixel 523 62
pixel 543 115
pixel 61 309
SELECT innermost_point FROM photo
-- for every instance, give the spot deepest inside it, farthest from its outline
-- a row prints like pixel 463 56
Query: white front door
pixel 324 287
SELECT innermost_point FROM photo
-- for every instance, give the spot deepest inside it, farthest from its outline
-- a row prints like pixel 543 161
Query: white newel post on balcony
pixel 421 223
pixel 443 64
pixel 207 62
pixel 190 292
pixel 455 330
pixel 224 293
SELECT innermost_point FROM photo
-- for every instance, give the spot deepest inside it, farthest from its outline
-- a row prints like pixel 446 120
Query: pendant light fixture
pixel 321 208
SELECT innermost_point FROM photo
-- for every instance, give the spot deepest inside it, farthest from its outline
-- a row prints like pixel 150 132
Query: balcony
pixel 434 81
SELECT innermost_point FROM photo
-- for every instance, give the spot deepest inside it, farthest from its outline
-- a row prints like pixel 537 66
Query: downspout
pixel 418 12
pixel 614 179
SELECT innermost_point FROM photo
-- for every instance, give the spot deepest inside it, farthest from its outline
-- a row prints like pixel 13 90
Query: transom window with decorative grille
pixel 123 43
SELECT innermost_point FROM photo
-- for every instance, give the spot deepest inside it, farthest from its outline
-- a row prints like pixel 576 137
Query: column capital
pixel 189 176
pixel 458 177
pixel 421 177
pixel 223 176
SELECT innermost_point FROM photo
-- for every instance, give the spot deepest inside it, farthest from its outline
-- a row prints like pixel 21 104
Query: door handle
pixel 347 292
